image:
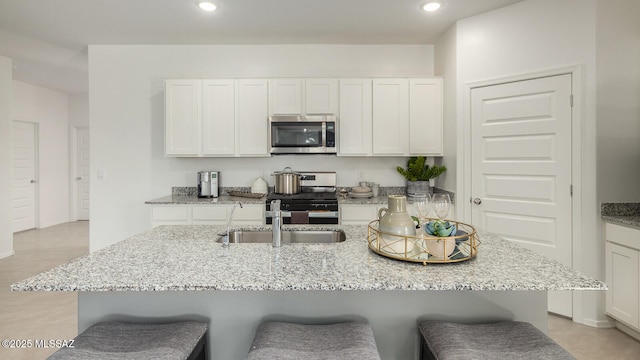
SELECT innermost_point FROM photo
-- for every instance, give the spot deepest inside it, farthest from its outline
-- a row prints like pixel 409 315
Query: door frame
pixel 463 183
pixel 74 170
pixel 36 164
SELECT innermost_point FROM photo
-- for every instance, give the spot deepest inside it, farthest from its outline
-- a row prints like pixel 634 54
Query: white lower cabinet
pixel 249 214
pixel 169 215
pixel 622 272
pixel 358 214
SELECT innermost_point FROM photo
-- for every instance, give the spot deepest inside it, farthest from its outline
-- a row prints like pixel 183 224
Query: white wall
pixel 446 61
pixel 618 103
pixel 6 173
pixel 79 109
pixel 127 119
pixel 49 109
pixel 536 35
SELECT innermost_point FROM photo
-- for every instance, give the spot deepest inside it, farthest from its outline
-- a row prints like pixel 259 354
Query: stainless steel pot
pixel 286 182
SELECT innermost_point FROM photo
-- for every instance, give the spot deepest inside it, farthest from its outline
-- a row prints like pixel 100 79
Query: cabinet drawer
pixel 208 213
pixel 249 213
pixel 623 235
pixel 358 214
pixel 170 213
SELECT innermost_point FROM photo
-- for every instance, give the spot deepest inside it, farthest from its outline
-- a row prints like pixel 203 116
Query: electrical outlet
pixel 360 175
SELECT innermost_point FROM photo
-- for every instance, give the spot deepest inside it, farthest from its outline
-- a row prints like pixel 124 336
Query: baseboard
pixel 627 330
pixel 600 324
pixel 7 254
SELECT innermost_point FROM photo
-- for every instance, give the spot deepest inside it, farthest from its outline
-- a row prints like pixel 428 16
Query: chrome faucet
pixel 225 242
pixel 276 223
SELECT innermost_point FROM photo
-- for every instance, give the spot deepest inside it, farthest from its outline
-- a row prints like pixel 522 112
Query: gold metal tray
pixel 425 249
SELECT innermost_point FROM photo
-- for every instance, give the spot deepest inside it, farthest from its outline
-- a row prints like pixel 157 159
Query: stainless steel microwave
pixel 298 134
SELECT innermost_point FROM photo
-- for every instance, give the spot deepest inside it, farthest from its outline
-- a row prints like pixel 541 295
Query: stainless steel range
pixel 317 203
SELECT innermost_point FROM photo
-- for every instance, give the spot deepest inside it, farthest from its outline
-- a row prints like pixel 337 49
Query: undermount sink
pixel 288 237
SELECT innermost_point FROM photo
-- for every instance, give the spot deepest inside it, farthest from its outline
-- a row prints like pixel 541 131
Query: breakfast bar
pixel 181 272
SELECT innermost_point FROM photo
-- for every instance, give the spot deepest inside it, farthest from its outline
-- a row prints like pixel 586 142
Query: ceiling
pixel 47 40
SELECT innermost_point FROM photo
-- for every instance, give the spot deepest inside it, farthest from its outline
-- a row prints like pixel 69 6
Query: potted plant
pixel 418 173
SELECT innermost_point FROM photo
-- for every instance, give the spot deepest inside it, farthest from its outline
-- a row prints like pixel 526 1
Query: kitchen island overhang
pixel 180 272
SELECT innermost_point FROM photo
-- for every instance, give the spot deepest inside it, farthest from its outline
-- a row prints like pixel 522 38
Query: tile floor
pixel 46 316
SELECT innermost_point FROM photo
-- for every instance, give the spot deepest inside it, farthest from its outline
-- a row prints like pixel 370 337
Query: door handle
pixel 33 181
pixel 477 201
pixel 78 178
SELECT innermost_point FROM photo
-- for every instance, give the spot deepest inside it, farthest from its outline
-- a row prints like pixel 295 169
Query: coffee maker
pixel 208 184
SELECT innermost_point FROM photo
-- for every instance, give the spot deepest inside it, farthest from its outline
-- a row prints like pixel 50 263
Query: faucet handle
pixel 275 205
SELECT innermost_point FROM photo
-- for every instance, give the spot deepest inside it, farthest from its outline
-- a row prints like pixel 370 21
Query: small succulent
pixel 440 228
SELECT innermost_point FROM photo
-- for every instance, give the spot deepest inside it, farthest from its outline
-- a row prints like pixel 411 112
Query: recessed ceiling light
pixel 206 5
pixel 432 6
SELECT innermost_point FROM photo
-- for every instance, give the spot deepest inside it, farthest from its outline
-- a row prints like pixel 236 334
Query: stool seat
pixel 108 340
pixel 502 340
pixel 288 341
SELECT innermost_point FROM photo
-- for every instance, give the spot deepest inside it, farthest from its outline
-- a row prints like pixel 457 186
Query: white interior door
pixel 82 173
pixel 24 139
pixel 521 168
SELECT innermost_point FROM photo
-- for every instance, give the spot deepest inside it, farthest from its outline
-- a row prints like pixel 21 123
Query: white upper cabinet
pixel 376 117
pixel 285 96
pixel 354 121
pixel 391 117
pixel 303 96
pixel 218 118
pixel 321 96
pixel 425 117
pixel 183 117
pixel 252 112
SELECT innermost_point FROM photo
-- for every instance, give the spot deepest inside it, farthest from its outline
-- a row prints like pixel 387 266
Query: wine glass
pixel 422 203
pixel 441 204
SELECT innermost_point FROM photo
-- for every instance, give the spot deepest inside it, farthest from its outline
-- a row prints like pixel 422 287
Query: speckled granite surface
pixel 187 258
pixel 627 214
pixel 187 196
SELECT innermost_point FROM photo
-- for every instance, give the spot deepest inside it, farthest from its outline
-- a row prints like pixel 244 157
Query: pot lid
pixel 286 170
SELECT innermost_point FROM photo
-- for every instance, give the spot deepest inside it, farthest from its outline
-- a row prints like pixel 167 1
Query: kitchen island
pixel 176 272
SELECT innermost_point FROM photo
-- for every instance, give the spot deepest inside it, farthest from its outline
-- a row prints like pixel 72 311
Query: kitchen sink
pixel 288 237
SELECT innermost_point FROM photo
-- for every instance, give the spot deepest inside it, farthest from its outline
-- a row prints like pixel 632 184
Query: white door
pixel 24 139
pixel 521 167
pixel 82 173
pixel 321 96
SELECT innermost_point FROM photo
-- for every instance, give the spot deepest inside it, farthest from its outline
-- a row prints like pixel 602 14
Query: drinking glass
pixel 422 203
pixel 441 204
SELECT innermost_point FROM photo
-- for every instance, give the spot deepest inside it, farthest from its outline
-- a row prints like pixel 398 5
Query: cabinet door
pixel 391 117
pixel 218 117
pixel 183 113
pixel 285 96
pixel 321 96
pixel 355 117
pixel 249 214
pixel 621 266
pixel 252 117
pixel 358 214
pixel 209 214
pixel 425 117
pixel 169 215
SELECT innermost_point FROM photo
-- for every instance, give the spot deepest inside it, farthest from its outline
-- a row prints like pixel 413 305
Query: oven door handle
pixel 316 214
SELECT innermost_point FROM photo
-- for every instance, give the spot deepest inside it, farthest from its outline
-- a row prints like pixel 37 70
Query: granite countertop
pixel 187 258
pixel 187 196
pixel 626 214
pixel 194 200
